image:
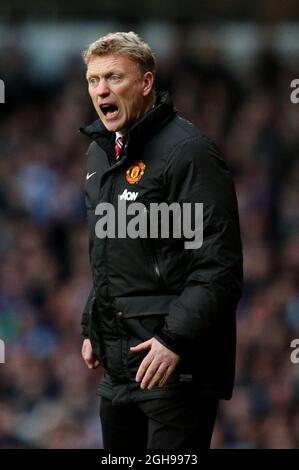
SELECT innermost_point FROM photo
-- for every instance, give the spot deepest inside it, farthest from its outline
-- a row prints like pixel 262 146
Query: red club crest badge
pixel 135 172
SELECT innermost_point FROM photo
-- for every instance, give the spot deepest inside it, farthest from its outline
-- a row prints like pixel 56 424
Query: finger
pixel 88 359
pixel 141 346
pixel 91 362
pixel 166 376
pixel 148 376
pixel 143 367
pixel 158 376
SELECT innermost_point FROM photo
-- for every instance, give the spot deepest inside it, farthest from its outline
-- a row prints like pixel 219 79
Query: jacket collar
pixel 141 130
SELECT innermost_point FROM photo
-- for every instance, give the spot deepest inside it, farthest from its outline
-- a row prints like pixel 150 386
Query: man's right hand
pixel 88 356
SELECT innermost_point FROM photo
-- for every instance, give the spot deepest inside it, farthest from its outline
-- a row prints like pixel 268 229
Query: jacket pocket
pixel 139 329
pixel 144 325
pixel 150 248
pixel 141 314
pixel 139 317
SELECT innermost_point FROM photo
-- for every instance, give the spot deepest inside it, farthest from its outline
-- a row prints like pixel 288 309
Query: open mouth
pixel 109 110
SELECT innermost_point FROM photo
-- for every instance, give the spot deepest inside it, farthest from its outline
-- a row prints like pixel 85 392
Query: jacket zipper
pixel 154 258
pixel 155 262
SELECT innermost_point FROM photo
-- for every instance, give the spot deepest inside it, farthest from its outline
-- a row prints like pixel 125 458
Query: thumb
pixel 146 345
pixel 95 364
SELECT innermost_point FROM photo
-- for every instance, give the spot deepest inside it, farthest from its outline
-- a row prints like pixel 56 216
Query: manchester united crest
pixel 135 172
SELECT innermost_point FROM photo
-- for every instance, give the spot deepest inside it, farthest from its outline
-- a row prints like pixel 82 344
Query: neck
pixel 148 105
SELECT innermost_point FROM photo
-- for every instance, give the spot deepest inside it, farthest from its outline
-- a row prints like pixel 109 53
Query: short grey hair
pixel 129 44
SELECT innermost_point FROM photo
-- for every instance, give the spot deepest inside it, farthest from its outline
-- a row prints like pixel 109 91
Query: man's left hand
pixel 157 366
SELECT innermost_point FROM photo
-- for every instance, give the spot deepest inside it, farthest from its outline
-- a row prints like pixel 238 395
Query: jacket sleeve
pixel 90 300
pixel 213 281
pixel 86 314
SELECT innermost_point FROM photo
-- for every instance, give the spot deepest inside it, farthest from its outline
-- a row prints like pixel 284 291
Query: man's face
pixel 118 89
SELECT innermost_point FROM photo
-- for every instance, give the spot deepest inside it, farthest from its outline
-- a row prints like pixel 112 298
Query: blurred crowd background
pixel 233 82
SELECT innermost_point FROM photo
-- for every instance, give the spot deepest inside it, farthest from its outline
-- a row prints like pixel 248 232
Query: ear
pixel 148 83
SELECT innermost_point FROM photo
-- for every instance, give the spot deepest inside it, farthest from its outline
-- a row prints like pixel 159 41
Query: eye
pixel 114 78
pixel 93 82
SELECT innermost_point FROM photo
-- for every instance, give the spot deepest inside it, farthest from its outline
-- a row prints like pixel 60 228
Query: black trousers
pixel 164 423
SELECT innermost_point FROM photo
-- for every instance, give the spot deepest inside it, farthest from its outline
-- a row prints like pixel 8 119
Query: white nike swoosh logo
pixel 89 175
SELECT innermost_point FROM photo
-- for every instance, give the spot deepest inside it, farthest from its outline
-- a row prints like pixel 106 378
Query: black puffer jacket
pixel 147 287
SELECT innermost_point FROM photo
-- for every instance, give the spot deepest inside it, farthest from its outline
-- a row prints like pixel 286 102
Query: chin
pixel 112 127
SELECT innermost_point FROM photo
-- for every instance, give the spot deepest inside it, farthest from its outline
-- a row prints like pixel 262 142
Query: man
pixel 160 318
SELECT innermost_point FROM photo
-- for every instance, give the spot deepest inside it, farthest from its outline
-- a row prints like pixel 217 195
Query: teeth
pixel 109 109
pixel 111 113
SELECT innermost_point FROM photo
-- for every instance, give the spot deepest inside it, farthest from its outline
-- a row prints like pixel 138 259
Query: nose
pixel 102 89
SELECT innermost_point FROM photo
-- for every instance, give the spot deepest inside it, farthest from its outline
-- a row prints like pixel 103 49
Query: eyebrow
pixel 89 75
pixel 105 75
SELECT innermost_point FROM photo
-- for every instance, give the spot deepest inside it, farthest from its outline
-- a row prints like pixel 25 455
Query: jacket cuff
pixel 85 329
pixel 175 345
